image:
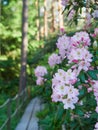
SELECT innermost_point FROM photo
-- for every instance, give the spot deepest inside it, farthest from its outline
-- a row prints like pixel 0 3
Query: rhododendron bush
pixel 73 78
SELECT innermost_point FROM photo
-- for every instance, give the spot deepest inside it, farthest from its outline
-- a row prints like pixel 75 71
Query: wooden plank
pixel 33 124
pixel 29 121
pixel 9 115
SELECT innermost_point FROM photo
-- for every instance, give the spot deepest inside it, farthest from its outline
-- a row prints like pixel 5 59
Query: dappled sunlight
pixel 49 65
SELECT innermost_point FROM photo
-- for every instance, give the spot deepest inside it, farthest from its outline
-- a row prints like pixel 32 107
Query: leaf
pixel 68 116
pixel 82 77
pixel 93 74
pixel 80 10
pixel 94 115
pixel 97 53
pixel 60 112
pixel 79 112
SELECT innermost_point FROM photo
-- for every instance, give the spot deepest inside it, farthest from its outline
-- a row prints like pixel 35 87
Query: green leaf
pixel 93 74
pixel 79 112
pixel 60 112
pixel 68 116
pixel 82 77
pixel 97 53
pixel 94 115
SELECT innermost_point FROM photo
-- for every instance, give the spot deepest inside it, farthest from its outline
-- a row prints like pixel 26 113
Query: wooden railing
pixel 19 101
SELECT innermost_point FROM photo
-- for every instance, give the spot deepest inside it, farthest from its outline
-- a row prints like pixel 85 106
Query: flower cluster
pixel 95 35
pixel 96 126
pixel 64 2
pixel 54 59
pixel 96 32
pixel 89 17
pixel 88 20
pixel 81 57
pixel 40 72
pixel 75 49
pixel 95 89
pixel 63 89
pixel 74 52
pixel 63 44
pixel 95 14
pixel 71 14
pixel 71 87
pixel 80 39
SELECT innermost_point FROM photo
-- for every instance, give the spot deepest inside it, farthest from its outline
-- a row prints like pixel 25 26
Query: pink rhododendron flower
pixel 63 90
pixel 72 92
pixel 87 21
pixel 64 2
pixel 95 34
pixel 83 65
pixel 71 76
pixel 40 71
pixel 59 78
pixel 82 58
pixel 54 59
pixel 96 31
pixel 95 14
pixel 56 97
pixel 80 39
pixel 40 81
pixel 63 77
pixel 75 55
pixel 70 102
pixel 62 30
pixel 96 126
pixel 90 90
pixel 95 89
pixel 63 44
pixel 96 109
pixel 88 18
pixel 71 14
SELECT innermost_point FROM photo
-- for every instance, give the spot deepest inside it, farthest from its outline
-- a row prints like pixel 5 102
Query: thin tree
pixel 61 20
pixel 45 19
pixel 22 83
pixel 38 20
pixel 52 22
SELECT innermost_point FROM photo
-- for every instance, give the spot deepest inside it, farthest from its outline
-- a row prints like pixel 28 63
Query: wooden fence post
pixel 20 99
pixel 9 115
pixel 17 104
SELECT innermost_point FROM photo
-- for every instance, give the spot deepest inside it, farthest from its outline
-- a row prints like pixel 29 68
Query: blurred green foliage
pixel 10 43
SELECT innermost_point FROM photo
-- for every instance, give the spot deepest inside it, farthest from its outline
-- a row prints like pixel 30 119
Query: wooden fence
pixel 19 100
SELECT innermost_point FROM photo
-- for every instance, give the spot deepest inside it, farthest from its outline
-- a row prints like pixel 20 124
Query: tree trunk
pixel 52 22
pixel 22 83
pixel 38 20
pixel 45 20
pixel 61 20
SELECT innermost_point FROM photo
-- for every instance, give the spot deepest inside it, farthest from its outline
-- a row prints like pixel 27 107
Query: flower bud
pixel 95 45
pixel 96 31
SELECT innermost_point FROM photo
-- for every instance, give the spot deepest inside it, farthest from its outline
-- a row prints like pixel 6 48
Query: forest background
pixel 11 40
